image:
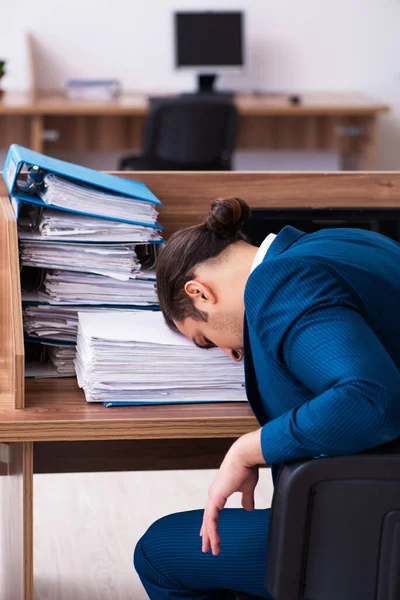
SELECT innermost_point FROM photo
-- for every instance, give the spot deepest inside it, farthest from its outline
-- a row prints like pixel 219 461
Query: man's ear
pixel 200 293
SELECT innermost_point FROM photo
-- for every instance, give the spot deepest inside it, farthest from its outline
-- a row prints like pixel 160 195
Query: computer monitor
pixel 209 43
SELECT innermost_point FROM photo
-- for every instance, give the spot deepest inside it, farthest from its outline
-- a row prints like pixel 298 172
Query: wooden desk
pixel 56 431
pixel 340 122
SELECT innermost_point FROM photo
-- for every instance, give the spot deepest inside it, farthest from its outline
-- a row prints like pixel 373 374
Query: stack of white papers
pixel 54 361
pixel 60 225
pixel 125 357
pixel 51 322
pixel 54 322
pixel 118 261
pixel 93 89
pixel 85 288
pixel 62 193
pixel 62 358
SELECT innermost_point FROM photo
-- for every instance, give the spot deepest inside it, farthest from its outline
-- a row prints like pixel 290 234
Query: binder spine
pixel 11 168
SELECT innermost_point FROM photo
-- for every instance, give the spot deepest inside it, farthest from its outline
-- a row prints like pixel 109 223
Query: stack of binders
pixel 88 243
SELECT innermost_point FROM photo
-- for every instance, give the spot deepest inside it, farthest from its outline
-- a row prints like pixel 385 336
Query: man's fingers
pixel 214 540
pixel 212 528
pixel 209 529
pixel 205 544
pixel 248 501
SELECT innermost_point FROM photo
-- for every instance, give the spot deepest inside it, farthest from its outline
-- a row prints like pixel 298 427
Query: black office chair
pixel 187 133
pixel 335 529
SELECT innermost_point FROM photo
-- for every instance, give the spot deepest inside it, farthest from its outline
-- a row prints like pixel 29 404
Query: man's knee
pixel 165 543
pixel 148 547
pixel 152 556
pixel 139 557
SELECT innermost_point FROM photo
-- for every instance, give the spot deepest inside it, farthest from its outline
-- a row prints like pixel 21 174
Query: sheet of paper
pixel 121 327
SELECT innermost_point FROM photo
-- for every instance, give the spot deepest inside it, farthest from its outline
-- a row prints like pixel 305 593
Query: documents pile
pixel 118 261
pixel 69 287
pixel 58 225
pixel 88 241
pixel 131 358
pixel 100 90
pixel 85 199
pixel 63 358
pixel 49 360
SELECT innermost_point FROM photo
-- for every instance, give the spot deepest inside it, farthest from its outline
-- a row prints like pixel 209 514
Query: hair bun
pixel 227 216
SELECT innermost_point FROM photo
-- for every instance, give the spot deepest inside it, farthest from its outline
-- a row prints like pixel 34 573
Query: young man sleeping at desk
pixel 316 318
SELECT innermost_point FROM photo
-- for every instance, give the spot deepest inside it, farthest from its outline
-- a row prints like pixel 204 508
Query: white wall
pixel 293 46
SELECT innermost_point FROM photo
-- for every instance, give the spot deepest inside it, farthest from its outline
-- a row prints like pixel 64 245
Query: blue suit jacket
pixel 322 343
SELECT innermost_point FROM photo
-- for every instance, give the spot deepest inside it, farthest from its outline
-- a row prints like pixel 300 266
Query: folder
pixel 93 89
pixel 118 261
pixel 40 181
pixel 47 224
pixel 87 289
pixel 76 283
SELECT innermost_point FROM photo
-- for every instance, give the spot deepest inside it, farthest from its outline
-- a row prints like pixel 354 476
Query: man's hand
pixel 237 473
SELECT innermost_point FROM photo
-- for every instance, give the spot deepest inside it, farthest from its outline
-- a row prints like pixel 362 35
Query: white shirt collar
pixel 262 251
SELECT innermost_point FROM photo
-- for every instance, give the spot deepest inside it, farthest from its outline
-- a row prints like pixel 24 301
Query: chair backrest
pixel 335 529
pixel 191 131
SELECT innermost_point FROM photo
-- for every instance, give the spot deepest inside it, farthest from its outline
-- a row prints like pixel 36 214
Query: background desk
pixel 56 431
pixel 345 123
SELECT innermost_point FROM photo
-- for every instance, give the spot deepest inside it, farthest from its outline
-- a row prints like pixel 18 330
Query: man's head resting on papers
pixel 201 278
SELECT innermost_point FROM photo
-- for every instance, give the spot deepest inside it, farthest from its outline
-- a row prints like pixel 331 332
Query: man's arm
pixel 314 327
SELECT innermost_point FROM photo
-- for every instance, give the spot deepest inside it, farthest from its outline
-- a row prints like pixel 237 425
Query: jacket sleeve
pixel 311 323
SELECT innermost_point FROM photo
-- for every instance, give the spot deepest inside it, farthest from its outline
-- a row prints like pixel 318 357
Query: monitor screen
pixel 209 39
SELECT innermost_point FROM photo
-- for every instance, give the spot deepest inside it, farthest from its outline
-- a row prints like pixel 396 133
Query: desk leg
pixel 16 521
pixel 369 145
pixel 361 151
pixel 37 126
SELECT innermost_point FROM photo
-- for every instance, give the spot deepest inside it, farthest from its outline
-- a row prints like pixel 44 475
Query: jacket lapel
pixel 252 391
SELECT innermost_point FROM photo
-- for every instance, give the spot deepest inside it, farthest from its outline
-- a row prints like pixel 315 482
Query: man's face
pixel 222 330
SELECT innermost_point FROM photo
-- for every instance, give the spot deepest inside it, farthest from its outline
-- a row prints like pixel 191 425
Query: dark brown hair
pixel 192 246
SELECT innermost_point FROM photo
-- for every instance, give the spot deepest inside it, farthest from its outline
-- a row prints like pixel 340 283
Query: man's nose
pixel 235 355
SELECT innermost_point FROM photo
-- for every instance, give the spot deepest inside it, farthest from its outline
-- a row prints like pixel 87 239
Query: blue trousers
pixel 171 565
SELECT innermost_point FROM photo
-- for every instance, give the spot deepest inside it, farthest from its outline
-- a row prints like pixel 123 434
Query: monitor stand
pixel 205 86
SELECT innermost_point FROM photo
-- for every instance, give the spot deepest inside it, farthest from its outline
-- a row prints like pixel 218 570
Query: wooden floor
pixel 88 525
